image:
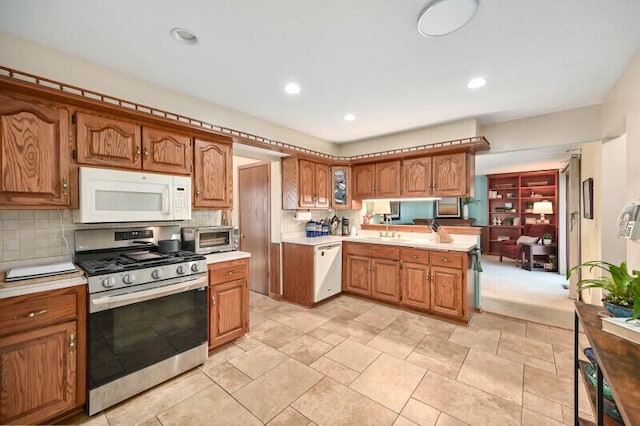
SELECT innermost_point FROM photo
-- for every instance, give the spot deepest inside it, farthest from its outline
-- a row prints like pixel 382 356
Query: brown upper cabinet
pixel 109 142
pixel 377 180
pixel 437 176
pixel 212 176
pixel 341 198
pixel 35 153
pixel 305 184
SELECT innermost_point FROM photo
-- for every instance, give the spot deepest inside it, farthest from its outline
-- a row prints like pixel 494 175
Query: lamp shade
pixel 381 207
pixel 543 207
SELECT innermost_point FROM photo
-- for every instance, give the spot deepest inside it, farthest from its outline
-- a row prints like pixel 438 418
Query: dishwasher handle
pixel 328 246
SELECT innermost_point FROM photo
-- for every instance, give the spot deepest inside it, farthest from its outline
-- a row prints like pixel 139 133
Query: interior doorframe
pixel 573 199
pixel 268 166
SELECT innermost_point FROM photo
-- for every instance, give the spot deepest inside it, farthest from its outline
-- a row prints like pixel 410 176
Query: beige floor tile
pixel 289 417
pixel 413 334
pixel 306 349
pixel 531 418
pixel 447 420
pixel 246 343
pixel 420 413
pixel 445 351
pixel 550 335
pixel 389 381
pixel 83 419
pixel 151 422
pixel 527 360
pixel 227 376
pixel 475 338
pixel 333 339
pixel 337 372
pixel 221 355
pixel 394 344
pixel 587 414
pixel 211 406
pixel 148 404
pixel 330 403
pixel 258 361
pixel 492 322
pixel 342 313
pixel 403 421
pixel 428 326
pixel 542 406
pixel 529 347
pixel 307 321
pixel 564 360
pixel 350 329
pixel 274 334
pixel 319 333
pixel 549 386
pixel 493 374
pixel 272 392
pixel 290 310
pixel 465 402
pixel 353 355
pixel 379 316
pixel 436 365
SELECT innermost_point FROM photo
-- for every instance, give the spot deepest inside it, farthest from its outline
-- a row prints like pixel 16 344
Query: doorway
pixel 572 173
pixel 254 201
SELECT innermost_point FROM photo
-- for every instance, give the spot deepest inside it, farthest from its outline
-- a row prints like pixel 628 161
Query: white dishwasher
pixel 327 271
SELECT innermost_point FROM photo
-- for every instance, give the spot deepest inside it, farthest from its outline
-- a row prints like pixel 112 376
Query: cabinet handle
pixel 445 260
pixel 213 301
pixel 72 341
pixel 65 184
pixel 146 153
pixel 230 273
pixel 416 257
pixel 31 314
pixel 138 152
pixel 197 192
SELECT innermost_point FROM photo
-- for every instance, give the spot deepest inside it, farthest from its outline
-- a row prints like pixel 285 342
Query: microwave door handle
pixel 166 201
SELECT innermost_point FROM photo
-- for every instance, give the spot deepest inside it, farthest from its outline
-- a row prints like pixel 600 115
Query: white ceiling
pixel 359 56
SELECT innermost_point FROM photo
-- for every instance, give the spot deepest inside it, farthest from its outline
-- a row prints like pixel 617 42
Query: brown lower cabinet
pixel 427 280
pixel 42 355
pixel 228 301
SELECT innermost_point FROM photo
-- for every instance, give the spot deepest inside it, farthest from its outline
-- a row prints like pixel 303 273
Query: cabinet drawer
pixel 228 271
pixel 447 259
pixel 36 310
pixel 374 250
pixel 415 256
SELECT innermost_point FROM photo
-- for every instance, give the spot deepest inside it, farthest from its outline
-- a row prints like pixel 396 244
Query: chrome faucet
pixel 387 221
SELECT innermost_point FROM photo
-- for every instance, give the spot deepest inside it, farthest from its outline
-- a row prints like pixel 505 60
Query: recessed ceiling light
pixel 442 17
pixel 292 88
pixel 184 35
pixel 477 83
pixel 349 117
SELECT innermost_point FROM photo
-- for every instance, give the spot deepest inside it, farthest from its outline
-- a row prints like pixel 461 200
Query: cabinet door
pixel 446 291
pixel 306 184
pixel 450 175
pixel 322 185
pixel 166 152
pixel 385 281
pixel 106 142
pixel 38 379
pixel 363 181
pixel 358 275
pixel 416 179
pixel 212 174
pixel 229 304
pixel 34 154
pixel 416 285
pixel 387 179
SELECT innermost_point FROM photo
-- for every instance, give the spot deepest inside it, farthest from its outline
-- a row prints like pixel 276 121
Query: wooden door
pixel 254 214
pixel 415 285
pixel 38 378
pixel 166 152
pixel 306 184
pixel 416 179
pixel 446 291
pixel 323 185
pixel 385 279
pixel 229 316
pixel 107 142
pixel 450 177
pixel 34 154
pixel 358 275
pixel 212 175
pixel 388 179
pixel 363 181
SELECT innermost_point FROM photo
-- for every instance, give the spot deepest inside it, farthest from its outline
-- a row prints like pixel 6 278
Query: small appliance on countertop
pixel 345 226
pixel 210 239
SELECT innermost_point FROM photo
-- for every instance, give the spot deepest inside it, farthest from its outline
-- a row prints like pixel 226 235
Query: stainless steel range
pixel 147 311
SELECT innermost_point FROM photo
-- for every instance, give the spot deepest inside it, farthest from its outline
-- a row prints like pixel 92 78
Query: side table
pixel 531 250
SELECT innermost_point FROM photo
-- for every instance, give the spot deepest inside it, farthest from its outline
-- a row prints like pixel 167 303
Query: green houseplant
pixel 623 288
pixel 546 238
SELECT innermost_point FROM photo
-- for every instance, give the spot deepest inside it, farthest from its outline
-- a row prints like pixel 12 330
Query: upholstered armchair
pixel 532 233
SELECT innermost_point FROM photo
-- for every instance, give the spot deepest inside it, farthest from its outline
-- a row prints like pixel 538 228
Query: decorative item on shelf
pixel 529 220
pixel 510 195
pixel 502 238
pixel 623 288
pixel 500 209
pixel 546 238
pixel 538 183
pixel 493 194
pixel 499 196
pixel 516 221
pixel 465 205
pixel 508 206
pixel 542 208
pixel 508 221
pixel 367 218
pixel 504 185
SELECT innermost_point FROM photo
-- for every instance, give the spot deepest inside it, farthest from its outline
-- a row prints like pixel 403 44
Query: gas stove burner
pixel 143 256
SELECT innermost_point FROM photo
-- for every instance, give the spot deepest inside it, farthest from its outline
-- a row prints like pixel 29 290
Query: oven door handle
pixel 138 296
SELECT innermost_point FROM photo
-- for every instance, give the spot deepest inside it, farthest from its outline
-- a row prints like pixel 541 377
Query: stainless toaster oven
pixel 210 239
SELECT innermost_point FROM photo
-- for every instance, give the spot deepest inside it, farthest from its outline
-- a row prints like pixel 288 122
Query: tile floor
pixel 352 361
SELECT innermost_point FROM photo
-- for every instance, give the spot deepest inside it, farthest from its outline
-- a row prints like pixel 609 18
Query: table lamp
pixel 542 208
pixel 382 208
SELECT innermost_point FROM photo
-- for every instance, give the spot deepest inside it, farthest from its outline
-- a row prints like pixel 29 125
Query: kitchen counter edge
pixel 462 246
pixel 226 256
pixel 21 290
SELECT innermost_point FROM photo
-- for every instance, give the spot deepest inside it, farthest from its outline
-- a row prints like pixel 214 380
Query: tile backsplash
pixel 34 234
pixel 289 226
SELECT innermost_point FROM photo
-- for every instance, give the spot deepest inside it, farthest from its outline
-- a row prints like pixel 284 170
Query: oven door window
pixel 129 338
pixel 212 239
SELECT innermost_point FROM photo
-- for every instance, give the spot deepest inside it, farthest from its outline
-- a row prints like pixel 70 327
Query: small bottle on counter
pixel 311 229
pixel 325 229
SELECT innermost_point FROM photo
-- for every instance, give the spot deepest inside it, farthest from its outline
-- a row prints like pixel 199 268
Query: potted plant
pixel 465 205
pixel 546 238
pixel 622 298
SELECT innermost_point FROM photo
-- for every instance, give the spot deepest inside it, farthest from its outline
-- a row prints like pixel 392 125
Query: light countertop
pixel 226 256
pixel 308 241
pixel 464 243
pixel 21 290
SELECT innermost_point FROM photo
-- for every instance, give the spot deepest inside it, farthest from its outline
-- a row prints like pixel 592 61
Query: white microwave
pixel 121 196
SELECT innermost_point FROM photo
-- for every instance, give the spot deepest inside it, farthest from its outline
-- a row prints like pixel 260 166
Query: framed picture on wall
pixel 448 207
pixel 587 198
pixel 395 210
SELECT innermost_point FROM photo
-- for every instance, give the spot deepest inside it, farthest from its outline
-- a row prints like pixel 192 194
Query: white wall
pixel 614 249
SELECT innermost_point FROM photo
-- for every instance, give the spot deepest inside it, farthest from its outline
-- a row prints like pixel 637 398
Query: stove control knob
pixel 129 279
pixel 181 270
pixel 195 267
pixel 157 274
pixel 108 282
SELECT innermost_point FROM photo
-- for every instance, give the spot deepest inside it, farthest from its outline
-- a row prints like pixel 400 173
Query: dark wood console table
pixel 619 363
pixel 531 250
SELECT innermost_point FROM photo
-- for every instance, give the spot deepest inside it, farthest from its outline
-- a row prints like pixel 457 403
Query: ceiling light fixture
pixel 184 36
pixel 442 17
pixel 292 88
pixel 349 117
pixel 476 83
